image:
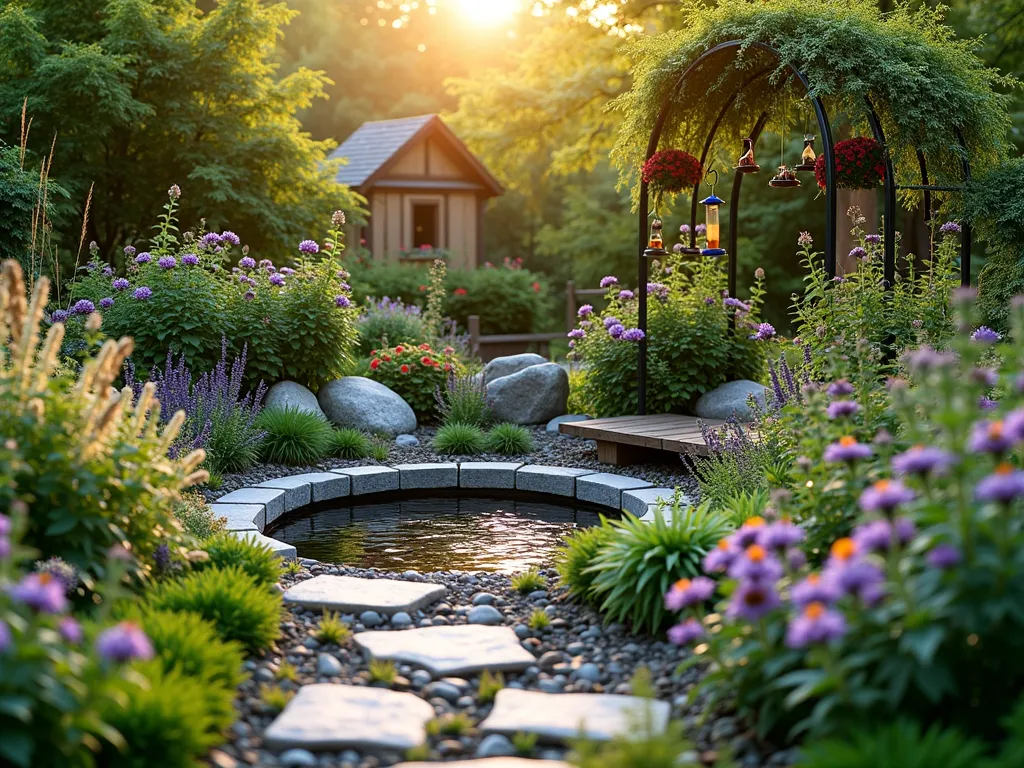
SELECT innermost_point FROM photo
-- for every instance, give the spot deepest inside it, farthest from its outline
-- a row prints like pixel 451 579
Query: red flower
pixel 426 361
pixel 373 352
pixel 460 291
pixel 423 287
pixel 404 369
pixel 860 164
pixel 447 366
pixel 399 349
pixel 536 287
pixel 425 347
pixel 362 241
pixel 374 364
pixel 672 170
pixel 426 247
pixel 386 358
pixel 449 350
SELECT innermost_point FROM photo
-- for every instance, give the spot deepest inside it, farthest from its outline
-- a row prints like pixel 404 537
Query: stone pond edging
pixel 250 510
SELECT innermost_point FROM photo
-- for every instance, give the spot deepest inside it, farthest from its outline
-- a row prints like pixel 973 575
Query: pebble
pixel 420 678
pixel 297 757
pixel 328 666
pixel 550 686
pixel 483 598
pixel 495 745
pixel 549 660
pixel 401 620
pixel 485 614
pixel 589 671
pixel 407 441
pixel 440 688
pixel 370 619
pixel 522 631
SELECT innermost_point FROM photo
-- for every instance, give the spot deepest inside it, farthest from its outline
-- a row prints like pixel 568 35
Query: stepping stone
pixel 457 650
pixel 495 762
pixel 349 594
pixel 330 717
pixel 559 718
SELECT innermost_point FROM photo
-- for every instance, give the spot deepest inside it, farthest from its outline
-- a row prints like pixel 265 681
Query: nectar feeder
pixel 711 205
pixel 807 157
pixel 655 241
pixel 746 163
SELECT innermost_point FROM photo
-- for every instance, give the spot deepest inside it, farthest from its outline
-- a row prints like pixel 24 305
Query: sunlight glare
pixel 489 13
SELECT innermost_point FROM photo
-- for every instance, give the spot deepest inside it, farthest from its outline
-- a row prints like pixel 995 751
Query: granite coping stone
pixel 488 474
pixel 333 717
pixel 459 649
pixel 370 479
pixel 560 717
pixel 558 481
pixel 296 490
pixel 323 486
pixel 279 548
pixel 428 475
pixel 606 489
pixel 349 594
pixel 271 498
pixel 639 501
pixel 495 762
pixel 241 517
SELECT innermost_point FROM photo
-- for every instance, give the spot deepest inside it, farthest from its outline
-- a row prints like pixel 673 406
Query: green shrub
pixel 490 685
pixel 538 620
pixel 188 644
pixel 509 440
pixel 275 699
pixel 459 439
pixel 159 721
pixel 196 516
pixel 897 745
pixel 528 581
pixel 380 448
pixel 463 400
pixel 640 561
pixel 577 402
pixel 293 436
pixel 415 373
pixel 524 743
pixel 233 444
pixel 257 560
pixel 333 630
pixel 72 447
pixel 238 607
pixel 577 553
pixel 385 321
pixel 382 671
pixel 691 346
pixel 348 444
pixel 450 724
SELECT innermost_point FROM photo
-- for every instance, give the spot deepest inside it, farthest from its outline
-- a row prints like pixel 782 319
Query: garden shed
pixel 426 190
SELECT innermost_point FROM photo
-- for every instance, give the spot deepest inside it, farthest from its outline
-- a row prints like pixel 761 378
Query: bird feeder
pixel 711 204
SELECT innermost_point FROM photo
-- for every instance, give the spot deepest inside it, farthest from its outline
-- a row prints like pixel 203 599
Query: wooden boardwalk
pixel 630 439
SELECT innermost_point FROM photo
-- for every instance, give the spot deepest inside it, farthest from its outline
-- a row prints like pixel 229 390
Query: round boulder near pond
pixel 534 395
pixel 506 366
pixel 731 399
pixel 361 403
pixel 289 394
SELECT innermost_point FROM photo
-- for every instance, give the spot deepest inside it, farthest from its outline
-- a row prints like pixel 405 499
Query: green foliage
pixel 274 699
pixel 196 516
pixel 294 436
pixel 577 402
pixel 490 685
pixel 509 440
pixel 691 347
pixel 287 671
pixel 382 671
pixel 524 743
pixel 380 449
pixel 538 621
pixel 189 645
pixel 230 599
pixel 577 554
pixel 332 630
pixel 348 444
pixel 257 560
pixel 463 400
pixel 416 373
pixel 528 581
pixel 635 568
pixel 231 446
pixel 744 505
pixel 159 721
pixel 738 464
pixel 459 440
pixel 385 321
pixel 453 724
pixel 896 745
pixel 22 195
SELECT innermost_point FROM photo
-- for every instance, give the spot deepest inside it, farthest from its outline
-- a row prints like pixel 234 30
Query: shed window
pixel 426 224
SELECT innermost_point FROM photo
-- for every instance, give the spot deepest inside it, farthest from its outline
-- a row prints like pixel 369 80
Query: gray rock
pixel 722 402
pixel 550 686
pixel 537 594
pixel 569 418
pixel 407 441
pixel 506 366
pixel 522 631
pixel 485 614
pixel 297 757
pixel 590 672
pixel 483 598
pixel 361 403
pixel 548 660
pixel 440 688
pixel 289 394
pixel 401 620
pixel 370 619
pixel 534 395
pixel 327 665
pixel 495 745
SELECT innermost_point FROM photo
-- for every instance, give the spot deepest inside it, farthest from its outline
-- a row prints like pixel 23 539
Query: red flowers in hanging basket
pixel 859 164
pixel 672 170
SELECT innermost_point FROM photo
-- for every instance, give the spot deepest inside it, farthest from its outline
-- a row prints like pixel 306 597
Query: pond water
pixel 436 533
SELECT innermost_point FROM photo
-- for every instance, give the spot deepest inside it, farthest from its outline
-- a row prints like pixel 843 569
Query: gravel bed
pixel 576 653
pixel 549 448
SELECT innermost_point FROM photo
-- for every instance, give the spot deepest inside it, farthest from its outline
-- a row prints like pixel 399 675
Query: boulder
pixel 533 395
pixel 569 418
pixel 289 394
pixel 731 398
pixel 506 366
pixel 365 404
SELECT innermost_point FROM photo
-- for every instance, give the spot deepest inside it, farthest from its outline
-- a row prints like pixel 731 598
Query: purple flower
pixel 342 301
pixel 309 246
pixel 287 271
pixel 720 558
pixel 577 333
pixel 840 388
pixel 143 258
pixel 616 331
pixel 949 228
pixel 873 239
pixel 677 248
pixel 5 525
pixel 610 321
pixel 796 559
pixel 120 284
pixel 625 295
pixel 987 403
pixel 687 592
pixel 709 301
pixel 167 262
pixel 608 281
pixel 247 262
pixel 701 229
pixel 657 289
pixel 267 263
pixel 189 259
pixel 858 253
pixel 229 237
pixel 755 563
pixel 765 331
pixel 249 295
pixel 108 271
pixel 876 536
pixel 985 376
pixel 70 630
pixel 805 240
pixel 923 460
pixel 585 311
pixel 817 624
pixel 926 359
pixel 633 334
pixel 209 240
pixel 815 589
pixel 276 279
pixel 83 307
pixel 986 335
pixel 991 437
pixel 5 547
pixel 41 592
pixel 752 600
pixel 684 229
pixel 143 292
pixel 129 250
pixel 780 535
pixel 885 496
pixel 847 449
pixel 58 316
pixel 106 303
pixel 842 408
pixel 124 642
pixel 748 534
pixel 1013 424
pixel 1003 486
pixel 731 302
pixel 857 577
pixel 686 632
pixel 943 557
pixel 5 636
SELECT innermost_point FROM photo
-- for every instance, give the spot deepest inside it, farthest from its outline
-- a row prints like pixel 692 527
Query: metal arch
pixel 889 199
pixel 828 150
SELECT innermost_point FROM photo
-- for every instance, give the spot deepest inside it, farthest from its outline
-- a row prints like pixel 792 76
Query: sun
pixel 488 13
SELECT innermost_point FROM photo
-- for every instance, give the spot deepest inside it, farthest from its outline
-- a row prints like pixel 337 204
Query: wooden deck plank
pixel 666 432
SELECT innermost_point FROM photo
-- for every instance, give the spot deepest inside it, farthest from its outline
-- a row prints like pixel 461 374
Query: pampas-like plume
pixel 171 431
pixel 26 352
pixel 48 356
pixel 193 460
pixel 198 477
pixel 14 282
pixel 142 407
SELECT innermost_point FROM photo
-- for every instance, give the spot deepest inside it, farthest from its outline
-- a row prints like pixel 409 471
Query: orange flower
pixel 754 522
pixel 682 584
pixel 844 549
pixel 756 553
pixel 374 364
pixel 404 369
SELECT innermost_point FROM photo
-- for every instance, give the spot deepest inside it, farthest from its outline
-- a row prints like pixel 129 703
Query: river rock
pixel 289 394
pixel 534 395
pixel 361 403
pixel 506 366
pixel 731 398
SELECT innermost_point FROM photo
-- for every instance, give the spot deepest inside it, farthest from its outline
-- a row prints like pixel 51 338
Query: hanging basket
pixel 672 170
pixel 860 164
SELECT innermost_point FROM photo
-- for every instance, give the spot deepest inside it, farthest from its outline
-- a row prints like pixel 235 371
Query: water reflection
pixel 433 534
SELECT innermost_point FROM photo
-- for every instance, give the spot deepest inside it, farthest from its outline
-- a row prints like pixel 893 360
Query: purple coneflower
pixel 70 630
pixel 943 557
pixel 143 292
pixel 124 642
pixel 817 624
pixel 687 592
pixel 885 496
pixel 686 632
pixel 840 388
pixel 991 437
pixel 309 246
pixel 720 558
pixel 815 589
pixel 41 592
pixel 1003 486
pixel 755 562
pixel 842 408
pixel 753 600
pixel 847 449
pixel 780 535
pixel 923 460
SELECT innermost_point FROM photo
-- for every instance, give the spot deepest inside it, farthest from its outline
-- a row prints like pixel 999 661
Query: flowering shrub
pixel 691 345
pixel 859 164
pixel 919 611
pixel 672 170
pixel 415 372
pixel 387 319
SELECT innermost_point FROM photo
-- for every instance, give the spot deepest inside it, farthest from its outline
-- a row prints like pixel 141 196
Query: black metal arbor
pixel 825 129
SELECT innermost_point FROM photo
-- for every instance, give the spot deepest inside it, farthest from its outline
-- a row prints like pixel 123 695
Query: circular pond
pixel 504 534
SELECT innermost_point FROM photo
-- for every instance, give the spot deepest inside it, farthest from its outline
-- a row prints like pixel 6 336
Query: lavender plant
pixel 463 400
pixel 385 320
